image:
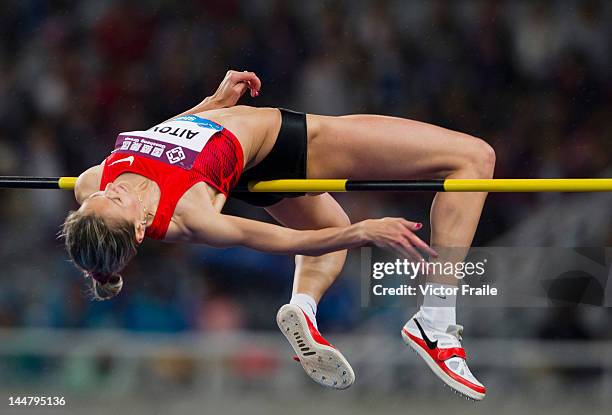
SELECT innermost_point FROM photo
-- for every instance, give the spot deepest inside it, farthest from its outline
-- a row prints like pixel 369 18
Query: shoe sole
pixel 323 364
pixel 450 382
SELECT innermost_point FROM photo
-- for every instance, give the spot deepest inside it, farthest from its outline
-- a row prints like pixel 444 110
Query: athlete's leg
pixel 378 147
pixel 313 275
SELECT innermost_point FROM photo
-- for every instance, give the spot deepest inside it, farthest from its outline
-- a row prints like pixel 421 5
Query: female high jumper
pixel 170 182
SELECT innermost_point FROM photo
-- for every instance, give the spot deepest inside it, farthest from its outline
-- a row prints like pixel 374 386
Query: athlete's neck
pixel 145 191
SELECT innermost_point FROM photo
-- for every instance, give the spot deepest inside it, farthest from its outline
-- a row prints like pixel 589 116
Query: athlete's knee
pixel 334 216
pixel 487 159
pixel 480 159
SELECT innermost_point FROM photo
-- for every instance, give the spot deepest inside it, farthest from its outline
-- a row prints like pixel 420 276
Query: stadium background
pixel 193 329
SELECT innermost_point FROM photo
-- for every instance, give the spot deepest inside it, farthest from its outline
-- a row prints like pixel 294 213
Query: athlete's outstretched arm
pixel 224 231
pixel 233 86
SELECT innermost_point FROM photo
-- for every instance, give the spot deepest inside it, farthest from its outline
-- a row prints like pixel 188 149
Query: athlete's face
pixel 116 203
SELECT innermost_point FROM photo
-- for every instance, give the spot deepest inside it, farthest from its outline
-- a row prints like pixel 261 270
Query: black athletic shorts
pixel 286 160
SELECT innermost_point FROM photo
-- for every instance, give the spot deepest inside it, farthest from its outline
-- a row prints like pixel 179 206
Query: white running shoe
pixel 443 353
pixel 321 361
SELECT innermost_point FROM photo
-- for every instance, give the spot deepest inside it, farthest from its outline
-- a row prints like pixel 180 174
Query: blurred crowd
pixel 530 77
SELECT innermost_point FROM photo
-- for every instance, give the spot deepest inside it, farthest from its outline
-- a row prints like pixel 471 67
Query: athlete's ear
pixel 140 232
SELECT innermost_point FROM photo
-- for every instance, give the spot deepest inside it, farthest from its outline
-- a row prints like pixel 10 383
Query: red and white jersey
pixel 176 155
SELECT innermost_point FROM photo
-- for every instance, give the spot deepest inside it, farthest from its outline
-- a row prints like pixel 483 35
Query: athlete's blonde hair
pixel 100 250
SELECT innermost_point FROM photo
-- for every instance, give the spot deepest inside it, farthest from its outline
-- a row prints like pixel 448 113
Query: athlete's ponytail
pixel 99 250
pixel 105 287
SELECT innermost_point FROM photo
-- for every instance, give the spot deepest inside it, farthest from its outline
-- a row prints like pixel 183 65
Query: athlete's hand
pixel 397 234
pixel 234 85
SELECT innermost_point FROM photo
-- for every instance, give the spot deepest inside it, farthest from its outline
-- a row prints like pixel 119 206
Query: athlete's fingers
pixel 413 226
pixel 399 249
pixel 415 240
pixel 249 78
pixel 239 89
pixel 409 251
pixel 254 82
pixel 254 92
pixel 254 89
pixel 413 253
pixel 419 243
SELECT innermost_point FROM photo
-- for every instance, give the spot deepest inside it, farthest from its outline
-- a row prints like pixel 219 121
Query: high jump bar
pixel 348 185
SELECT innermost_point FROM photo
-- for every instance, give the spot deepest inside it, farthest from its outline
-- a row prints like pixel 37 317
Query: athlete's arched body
pixel 316 229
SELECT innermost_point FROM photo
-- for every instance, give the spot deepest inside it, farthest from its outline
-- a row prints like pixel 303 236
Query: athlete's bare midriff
pixel 255 128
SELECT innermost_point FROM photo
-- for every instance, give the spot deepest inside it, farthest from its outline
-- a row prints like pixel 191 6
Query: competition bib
pixel 177 142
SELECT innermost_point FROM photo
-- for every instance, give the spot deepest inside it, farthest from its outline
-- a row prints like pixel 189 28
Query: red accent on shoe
pixel 441 355
pixel 297 359
pixel 445 354
pixel 315 333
